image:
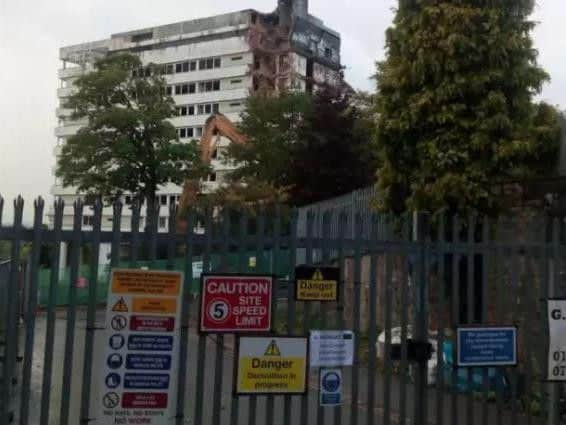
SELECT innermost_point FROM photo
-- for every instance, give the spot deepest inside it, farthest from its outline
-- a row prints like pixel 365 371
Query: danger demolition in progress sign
pixel 268 365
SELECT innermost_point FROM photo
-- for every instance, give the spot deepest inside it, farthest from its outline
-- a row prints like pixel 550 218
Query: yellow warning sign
pixel 272 349
pixel 144 282
pixel 317 284
pixel 120 306
pixel 155 305
pixel 272 365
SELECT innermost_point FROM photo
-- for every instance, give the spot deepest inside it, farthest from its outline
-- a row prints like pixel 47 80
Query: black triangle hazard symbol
pixel 120 306
pixel 272 349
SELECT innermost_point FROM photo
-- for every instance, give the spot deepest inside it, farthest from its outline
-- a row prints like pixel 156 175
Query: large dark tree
pixel 456 117
pixel 312 147
pixel 127 145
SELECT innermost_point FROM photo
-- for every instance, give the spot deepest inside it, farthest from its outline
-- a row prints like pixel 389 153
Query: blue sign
pixel 115 361
pixel 116 341
pixel 113 381
pixel 135 381
pixel 487 346
pixel 150 343
pixel 330 387
pixel 148 362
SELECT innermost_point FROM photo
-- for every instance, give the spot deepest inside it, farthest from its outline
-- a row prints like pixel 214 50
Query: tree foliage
pixel 456 116
pixel 311 147
pixel 128 144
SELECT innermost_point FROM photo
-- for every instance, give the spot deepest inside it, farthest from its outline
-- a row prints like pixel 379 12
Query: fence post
pixel 553 393
pixel 420 232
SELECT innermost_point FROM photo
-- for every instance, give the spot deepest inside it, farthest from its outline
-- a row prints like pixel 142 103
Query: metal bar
pixel 372 325
pixel 513 309
pixel 91 316
pixel 185 321
pixel 116 235
pixel 31 312
pixel 260 233
pixel 135 242
pixel 242 268
pixel 11 319
pixel 404 307
pixel 71 315
pixel 470 309
pixel 554 389
pixel 421 326
pixel 442 316
pixel 171 244
pixel 219 361
pixel 58 209
pixel 307 313
pixel 342 225
pixel 356 312
pixel 325 233
pixel 455 420
pixel 153 228
pixel 500 273
pixel 530 316
pixel 485 256
pixel 270 408
pixel 291 308
pixel 387 363
pixel 542 294
pixel 201 355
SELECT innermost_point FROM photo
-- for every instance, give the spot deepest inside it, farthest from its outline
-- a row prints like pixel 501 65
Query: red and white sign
pixel 144 400
pixel 152 324
pixel 235 304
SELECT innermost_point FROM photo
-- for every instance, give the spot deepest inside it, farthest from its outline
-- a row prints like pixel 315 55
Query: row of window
pixel 191 88
pixel 189 132
pixel 181 67
pixel 202 109
pixel 193 65
pixel 88 220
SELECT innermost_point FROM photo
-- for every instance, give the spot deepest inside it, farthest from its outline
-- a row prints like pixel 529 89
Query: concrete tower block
pixel 301 8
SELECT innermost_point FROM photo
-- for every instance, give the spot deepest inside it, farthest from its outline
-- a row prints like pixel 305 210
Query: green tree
pixel 128 144
pixel 311 147
pixel 456 117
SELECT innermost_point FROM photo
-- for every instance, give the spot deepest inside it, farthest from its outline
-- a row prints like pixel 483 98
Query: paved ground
pixel 464 409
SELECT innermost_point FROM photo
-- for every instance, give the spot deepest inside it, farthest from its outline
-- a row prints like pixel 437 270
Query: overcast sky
pixel 32 31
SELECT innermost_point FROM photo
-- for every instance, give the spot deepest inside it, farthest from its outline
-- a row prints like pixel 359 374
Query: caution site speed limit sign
pixel 236 303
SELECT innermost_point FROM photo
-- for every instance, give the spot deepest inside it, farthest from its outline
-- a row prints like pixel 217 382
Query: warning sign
pixel 139 367
pixel 120 306
pixel 235 304
pixel 317 283
pixel 272 365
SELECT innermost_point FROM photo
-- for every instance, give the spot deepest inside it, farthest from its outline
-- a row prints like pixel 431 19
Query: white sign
pixel 139 374
pixel 331 348
pixel 330 387
pixel 557 342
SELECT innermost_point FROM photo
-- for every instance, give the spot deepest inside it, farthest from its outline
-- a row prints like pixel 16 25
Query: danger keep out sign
pixel 236 303
pixel 268 365
pixel 317 283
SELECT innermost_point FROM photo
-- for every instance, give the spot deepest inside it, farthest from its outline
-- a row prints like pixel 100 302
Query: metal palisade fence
pixel 406 285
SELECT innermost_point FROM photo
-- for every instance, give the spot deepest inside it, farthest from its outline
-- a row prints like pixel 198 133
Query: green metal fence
pixel 402 279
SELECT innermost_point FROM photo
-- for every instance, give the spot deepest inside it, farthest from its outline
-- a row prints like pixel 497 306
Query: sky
pixel 32 31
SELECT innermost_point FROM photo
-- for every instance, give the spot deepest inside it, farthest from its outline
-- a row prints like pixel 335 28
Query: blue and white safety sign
pixel 148 362
pixel 487 346
pixel 330 387
pixel 113 381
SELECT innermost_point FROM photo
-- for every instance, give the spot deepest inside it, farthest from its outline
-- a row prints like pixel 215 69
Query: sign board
pixel 557 340
pixel 317 283
pixel 331 348
pixel 138 380
pixel 236 303
pixel 487 346
pixel 330 388
pixel 270 365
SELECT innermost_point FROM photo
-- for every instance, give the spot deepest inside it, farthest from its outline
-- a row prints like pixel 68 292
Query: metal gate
pixel 403 279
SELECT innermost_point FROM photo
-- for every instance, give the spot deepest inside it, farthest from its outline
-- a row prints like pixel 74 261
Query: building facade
pixel 211 66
